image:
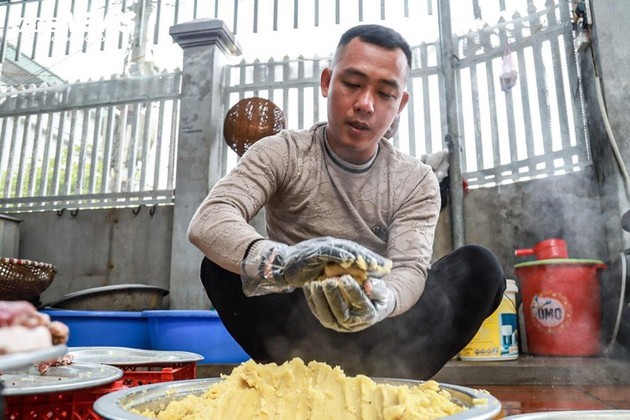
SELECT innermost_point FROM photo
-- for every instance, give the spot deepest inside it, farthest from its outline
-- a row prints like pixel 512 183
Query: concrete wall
pixel 99 247
pixel 9 237
pixel 608 63
pixel 612 54
pixel 519 215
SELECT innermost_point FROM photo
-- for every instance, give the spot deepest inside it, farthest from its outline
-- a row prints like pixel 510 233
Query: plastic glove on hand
pixel 273 267
pixel 262 268
pixel 341 304
pixel 309 260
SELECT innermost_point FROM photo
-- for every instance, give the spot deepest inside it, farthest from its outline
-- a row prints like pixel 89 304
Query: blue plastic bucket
pixel 197 331
pixel 103 328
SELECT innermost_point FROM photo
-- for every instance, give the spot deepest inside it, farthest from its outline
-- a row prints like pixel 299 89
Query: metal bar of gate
pixel 447 56
pixel 83 151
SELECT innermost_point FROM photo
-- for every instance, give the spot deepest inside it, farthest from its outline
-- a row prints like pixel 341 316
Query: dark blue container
pixel 104 328
pixel 197 331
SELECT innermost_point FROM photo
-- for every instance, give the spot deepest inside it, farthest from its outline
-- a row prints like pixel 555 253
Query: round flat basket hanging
pixel 250 120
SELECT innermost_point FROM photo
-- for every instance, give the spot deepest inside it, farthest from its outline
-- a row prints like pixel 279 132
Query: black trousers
pixel 462 290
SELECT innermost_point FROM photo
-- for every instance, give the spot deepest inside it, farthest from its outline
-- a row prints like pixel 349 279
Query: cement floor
pixel 529 399
pixel 537 370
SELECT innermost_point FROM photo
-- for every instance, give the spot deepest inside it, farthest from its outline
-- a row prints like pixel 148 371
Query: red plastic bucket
pixel 561 305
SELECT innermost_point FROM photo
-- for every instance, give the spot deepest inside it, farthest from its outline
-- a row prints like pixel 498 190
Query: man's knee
pixel 489 264
pixel 480 256
pixel 486 271
pixel 483 262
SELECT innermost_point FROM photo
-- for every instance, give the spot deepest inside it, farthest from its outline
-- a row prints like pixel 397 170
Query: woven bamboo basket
pixel 24 279
pixel 250 120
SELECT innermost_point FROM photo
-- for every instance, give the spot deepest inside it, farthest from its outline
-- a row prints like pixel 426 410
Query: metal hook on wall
pixel 152 210
pixel 60 212
pixel 73 213
pixel 137 210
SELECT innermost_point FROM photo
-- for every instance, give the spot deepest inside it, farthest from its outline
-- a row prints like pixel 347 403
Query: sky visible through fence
pixel 106 30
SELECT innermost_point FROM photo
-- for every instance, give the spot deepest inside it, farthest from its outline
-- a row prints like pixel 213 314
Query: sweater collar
pixel 347 166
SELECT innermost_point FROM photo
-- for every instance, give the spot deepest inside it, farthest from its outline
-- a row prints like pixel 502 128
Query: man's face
pixel 365 91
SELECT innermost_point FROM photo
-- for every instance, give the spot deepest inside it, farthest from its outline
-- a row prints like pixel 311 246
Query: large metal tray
pixel 155 397
pixel 28 381
pixel 21 359
pixel 126 356
pixel 119 297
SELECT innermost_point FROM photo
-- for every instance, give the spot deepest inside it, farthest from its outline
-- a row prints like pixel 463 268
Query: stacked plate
pixel 124 356
pixel 21 359
pixel 77 376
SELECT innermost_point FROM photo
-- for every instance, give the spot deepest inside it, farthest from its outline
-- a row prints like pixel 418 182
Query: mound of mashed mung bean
pixel 295 390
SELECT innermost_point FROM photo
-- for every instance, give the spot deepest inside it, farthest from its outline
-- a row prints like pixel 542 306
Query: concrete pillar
pixel 207 44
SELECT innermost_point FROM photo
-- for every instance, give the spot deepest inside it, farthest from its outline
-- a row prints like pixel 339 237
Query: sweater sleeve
pixel 220 227
pixel 410 243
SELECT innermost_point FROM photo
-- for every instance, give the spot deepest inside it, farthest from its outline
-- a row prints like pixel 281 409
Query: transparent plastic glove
pixel 272 267
pixel 342 304
pixel 262 268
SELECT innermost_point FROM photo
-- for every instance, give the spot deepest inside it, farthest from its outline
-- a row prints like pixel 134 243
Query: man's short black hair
pixel 375 34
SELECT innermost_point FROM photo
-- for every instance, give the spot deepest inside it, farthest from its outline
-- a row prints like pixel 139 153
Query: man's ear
pixel 403 102
pixel 324 82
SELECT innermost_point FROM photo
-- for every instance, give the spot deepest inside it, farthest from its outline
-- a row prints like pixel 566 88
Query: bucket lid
pixel 511 286
pixel 557 261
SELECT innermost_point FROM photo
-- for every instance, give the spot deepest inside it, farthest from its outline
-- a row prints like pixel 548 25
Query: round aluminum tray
pixel 155 397
pixel 125 356
pixel 28 381
pixel 18 360
pixel 574 414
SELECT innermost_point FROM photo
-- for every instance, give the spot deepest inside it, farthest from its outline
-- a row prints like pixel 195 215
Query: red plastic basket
pixel 145 375
pixel 74 405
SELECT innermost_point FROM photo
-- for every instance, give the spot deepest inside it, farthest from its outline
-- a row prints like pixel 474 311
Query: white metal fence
pixel 95 144
pixel 536 128
pixel 112 142
pixel 533 129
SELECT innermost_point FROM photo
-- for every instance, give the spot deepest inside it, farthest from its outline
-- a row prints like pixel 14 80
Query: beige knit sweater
pixel 390 205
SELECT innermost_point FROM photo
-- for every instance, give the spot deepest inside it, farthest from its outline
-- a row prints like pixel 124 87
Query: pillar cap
pixel 201 32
